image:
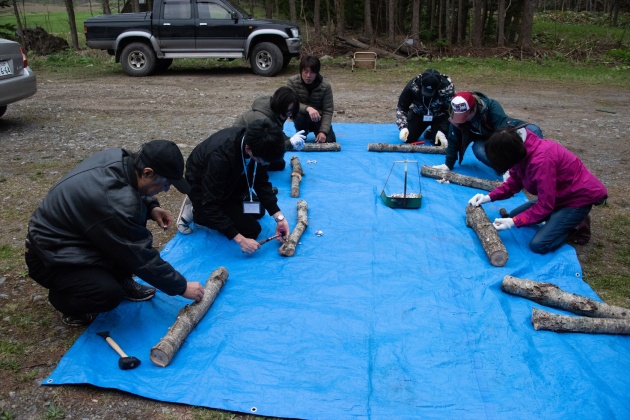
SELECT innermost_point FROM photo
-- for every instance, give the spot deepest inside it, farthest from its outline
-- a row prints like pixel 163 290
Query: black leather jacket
pixel 94 215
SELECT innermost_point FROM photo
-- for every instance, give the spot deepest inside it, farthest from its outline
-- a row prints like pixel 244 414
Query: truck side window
pixel 177 10
pixel 212 11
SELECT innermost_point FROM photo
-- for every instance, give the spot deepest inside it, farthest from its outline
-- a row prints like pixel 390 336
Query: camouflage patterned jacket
pixel 411 98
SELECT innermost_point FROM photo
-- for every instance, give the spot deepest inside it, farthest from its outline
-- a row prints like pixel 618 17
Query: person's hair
pixel 138 164
pixel 311 62
pixel 505 149
pixel 266 140
pixel 282 98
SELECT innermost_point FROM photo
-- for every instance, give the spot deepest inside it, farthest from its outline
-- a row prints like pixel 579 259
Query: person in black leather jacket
pixel 88 237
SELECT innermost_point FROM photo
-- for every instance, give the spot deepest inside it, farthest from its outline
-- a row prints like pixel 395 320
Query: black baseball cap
pixel 430 82
pixel 166 160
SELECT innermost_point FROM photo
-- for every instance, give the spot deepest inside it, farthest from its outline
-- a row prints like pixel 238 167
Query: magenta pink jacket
pixel 555 175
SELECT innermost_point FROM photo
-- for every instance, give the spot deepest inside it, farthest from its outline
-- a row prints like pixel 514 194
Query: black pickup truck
pixel 148 42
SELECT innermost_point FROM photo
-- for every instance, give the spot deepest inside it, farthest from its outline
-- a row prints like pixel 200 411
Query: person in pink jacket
pixel 565 189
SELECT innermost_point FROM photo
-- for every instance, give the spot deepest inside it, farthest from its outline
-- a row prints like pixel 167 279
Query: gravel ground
pixel 73 116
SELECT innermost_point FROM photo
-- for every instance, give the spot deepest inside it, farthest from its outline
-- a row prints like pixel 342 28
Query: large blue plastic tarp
pixel 390 313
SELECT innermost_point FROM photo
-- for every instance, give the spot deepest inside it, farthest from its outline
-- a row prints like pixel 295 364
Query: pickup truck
pixel 148 42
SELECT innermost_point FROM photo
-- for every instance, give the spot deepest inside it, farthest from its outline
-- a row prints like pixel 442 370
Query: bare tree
pixel 501 24
pixel 106 8
pixel 268 9
pixel 292 11
pixel 527 24
pixel 415 20
pixel 461 22
pixel 477 25
pixel 73 24
pixel 391 21
pixel 368 32
pixel 340 15
pixel 317 25
pixel 16 11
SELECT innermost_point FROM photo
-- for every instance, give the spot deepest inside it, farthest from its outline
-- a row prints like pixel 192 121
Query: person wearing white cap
pixel 474 118
pixel 424 103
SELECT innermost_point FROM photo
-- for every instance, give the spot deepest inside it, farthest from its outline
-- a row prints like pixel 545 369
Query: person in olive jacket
pixel 230 188
pixel 316 101
pixel 474 118
pixel 88 236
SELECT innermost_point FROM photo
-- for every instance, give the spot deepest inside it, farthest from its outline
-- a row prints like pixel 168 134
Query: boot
pixel 582 233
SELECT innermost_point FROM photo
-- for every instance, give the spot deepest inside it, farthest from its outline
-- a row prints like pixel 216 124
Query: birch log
pixel 547 321
pixel 406 148
pixel 187 318
pixel 288 247
pixel 477 219
pixel 455 178
pixel 318 147
pixel 551 295
pixel 296 176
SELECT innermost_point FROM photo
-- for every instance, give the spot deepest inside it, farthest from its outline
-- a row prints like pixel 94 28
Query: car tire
pixel 163 64
pixel 138 59
pixel 286 61
pixel 3 109
pixel 266 59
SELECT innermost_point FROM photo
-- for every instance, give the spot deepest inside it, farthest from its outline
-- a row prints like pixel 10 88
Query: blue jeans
pixel 479 146
pixel 557 228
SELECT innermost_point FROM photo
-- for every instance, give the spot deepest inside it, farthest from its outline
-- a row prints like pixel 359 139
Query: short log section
pixel 296 176
pixel 455 178
pixel 551 295
pixel 318 147
pixel 288 247
pixel 547 321
pixel 187 318
pixel 477 219
pixel 406 148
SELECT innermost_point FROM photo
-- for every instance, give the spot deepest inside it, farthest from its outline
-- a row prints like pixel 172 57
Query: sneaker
pixel 137 292
pixel 582 233
pixel 185 217
pixel 78 320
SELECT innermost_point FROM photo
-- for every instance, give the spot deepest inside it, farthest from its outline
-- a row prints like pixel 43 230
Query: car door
pixel 176 29
pixel 217 31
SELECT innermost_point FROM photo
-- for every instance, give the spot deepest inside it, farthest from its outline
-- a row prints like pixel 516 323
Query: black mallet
pixel 125 362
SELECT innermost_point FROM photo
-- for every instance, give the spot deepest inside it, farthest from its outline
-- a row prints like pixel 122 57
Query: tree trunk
pixel 269 9
pixel 107 10
pixel 415 21
pixel 546 321
pixel 501 24
pixel 340 18
pixel 20 31
pixel 477 219
pixel 135 6
pixel 368 31
pixel 296 176
pixel 462 14
pixel 551 295
pixel 527 24
pixel 391 25
pixel 455 178
pixel 292 12
pixel 406 148
pixel 288 247
pixel 73 24
pixel 477 28
pixel 317 26
pixel 187 318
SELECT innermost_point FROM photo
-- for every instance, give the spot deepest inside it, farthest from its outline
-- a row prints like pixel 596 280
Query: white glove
pixel 297 141
pixel 441 167
pixel 403 134
pixel 479 199
pixel 440 139
pixel 506 175
pixel 503 224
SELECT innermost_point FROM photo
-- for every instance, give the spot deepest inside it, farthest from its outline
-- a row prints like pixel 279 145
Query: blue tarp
pixel 390 313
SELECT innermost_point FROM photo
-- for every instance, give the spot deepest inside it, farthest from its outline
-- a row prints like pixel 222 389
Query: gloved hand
pixel 297 141
pixel 403 134
pixel 441 167
pixel 506 175
pixel 503 223
pixel 479 199
pixel 440 139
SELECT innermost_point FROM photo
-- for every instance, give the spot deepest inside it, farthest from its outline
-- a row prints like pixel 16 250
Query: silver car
pixel 17 80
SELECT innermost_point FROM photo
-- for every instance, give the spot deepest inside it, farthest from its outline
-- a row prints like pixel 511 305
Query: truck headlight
pixel 295 32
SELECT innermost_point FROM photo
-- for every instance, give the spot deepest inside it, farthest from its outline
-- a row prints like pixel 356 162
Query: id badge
pixel 251 207
pixel 427 118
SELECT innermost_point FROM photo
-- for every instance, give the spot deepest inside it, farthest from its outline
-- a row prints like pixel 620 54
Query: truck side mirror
pixel 235 17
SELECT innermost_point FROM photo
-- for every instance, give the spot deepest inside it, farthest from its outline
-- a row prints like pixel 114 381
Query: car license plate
pixel 5 68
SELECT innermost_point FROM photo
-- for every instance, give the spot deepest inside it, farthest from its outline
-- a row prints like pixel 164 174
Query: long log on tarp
pixel 187 318
pixel 296 176
pixel 477 219
pixel 547 321
pixel 288 247
pixel 406 148
pixel 551 295
pixel 455 178
pixel 318 147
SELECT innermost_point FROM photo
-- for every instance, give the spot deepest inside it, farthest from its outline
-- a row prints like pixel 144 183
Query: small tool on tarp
pixel 264 241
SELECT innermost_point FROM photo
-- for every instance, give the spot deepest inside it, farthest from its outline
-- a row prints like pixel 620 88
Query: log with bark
pixel 455 178
pixel 358 44
pixel 296 176
pixel 187 318
pixel 319 147
pixel 477 219
pixel 406 148
pixel 551 295
pixel 547 321
pixel 288 247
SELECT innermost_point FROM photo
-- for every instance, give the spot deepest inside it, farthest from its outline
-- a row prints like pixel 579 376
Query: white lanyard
pixel 249 188
pixel 428 106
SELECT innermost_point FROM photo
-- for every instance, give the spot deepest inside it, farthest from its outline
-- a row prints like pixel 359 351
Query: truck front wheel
pixel 138 59
pixel 266 59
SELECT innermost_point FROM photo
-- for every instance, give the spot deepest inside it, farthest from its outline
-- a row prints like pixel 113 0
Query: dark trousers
pixel 417 126
pixel 302 121
pixel 77 290
pixel 246 223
